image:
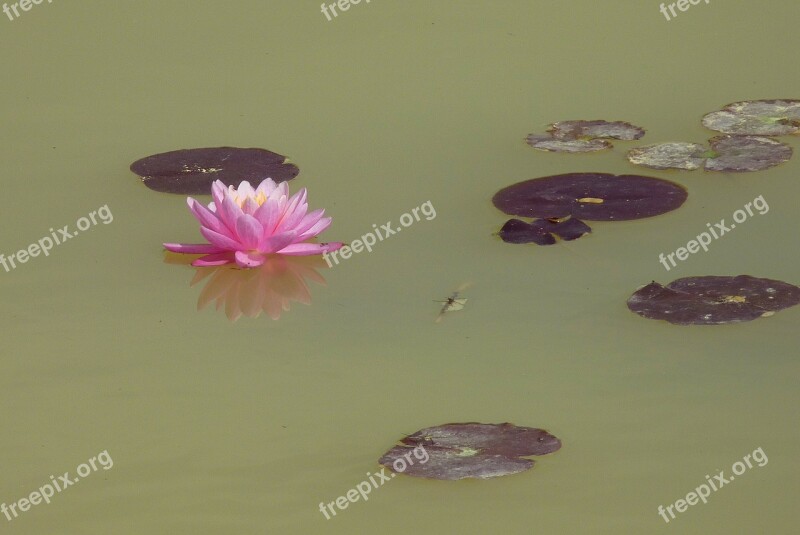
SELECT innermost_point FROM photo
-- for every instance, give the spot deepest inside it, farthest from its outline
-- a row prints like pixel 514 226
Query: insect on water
pixel 454 302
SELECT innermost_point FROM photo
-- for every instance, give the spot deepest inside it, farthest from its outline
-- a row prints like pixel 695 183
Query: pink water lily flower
pixel 245 225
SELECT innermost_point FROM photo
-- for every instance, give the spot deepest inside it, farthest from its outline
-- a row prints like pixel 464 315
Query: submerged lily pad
pixel 590 196
pixel 583 136
pixel 464 450
pixel 713 300
pixel 726 153
pixel 757 118
pixel 192 171
pixel 543 231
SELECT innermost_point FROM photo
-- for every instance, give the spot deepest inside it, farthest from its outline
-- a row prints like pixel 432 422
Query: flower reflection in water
pixel 270 287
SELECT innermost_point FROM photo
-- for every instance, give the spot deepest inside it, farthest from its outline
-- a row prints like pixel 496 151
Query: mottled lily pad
pixel 192 171
pixel 470 450
pixel 756 118
pixel 590 196
pixel 551 144
pixel 583 136
pixel 673 155
pixel 543 231
pixel 726 153
pixel 746 153
pixel 713 300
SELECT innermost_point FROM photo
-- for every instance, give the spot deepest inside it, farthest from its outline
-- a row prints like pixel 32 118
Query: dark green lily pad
pixel 713 300
pixel 590 196
pixel 192 171
pixel 583 136
pixel 726 153
pixel 469 450
pixel 543 231
pixel 756 118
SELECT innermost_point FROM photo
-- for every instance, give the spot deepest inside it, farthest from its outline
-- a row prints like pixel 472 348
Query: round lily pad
pixel 673 155
pixel 713 300
pixel 469 450
pixel 590 196
pixel 746 153
pixel 192 171
pixel 543 231
pixel 583 136
pixel 756 117
pixel 726 153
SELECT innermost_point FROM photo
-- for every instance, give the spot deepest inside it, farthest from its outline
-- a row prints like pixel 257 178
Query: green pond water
pixel 216 426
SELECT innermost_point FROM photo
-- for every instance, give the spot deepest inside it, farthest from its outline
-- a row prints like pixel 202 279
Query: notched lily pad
pixel 543 231
pixel 726 153
pixel 583 136
pixel 192 171
pixel 756 118
pixel 590 196
pixel 470 450
pixel 713 300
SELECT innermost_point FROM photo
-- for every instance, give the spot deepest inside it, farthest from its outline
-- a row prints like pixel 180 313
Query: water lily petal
pixel 214 260
pixel 266 187
pixel 249 258
pixel 268 215
pixel 309 221
pixel 304 249
pixel 218 190
pixel 249 206
pixel 190 248
pixel 207 218
pixel 276 242
pixel 249 231
pixel 229 212
pixel 221 241
pixel 320 226
pixel 245 190
pixel 294 213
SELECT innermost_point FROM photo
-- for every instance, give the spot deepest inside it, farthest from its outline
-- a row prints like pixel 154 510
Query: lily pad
pixel 713 300
pixel 583 136
pixel 746 153
pixel 551 144
pixel 757 118
pixel 673 155
pixel 726 153
pixel 192 171
pixel 590 196
pixel 595 129
pixel 543 231
pixel 469 450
